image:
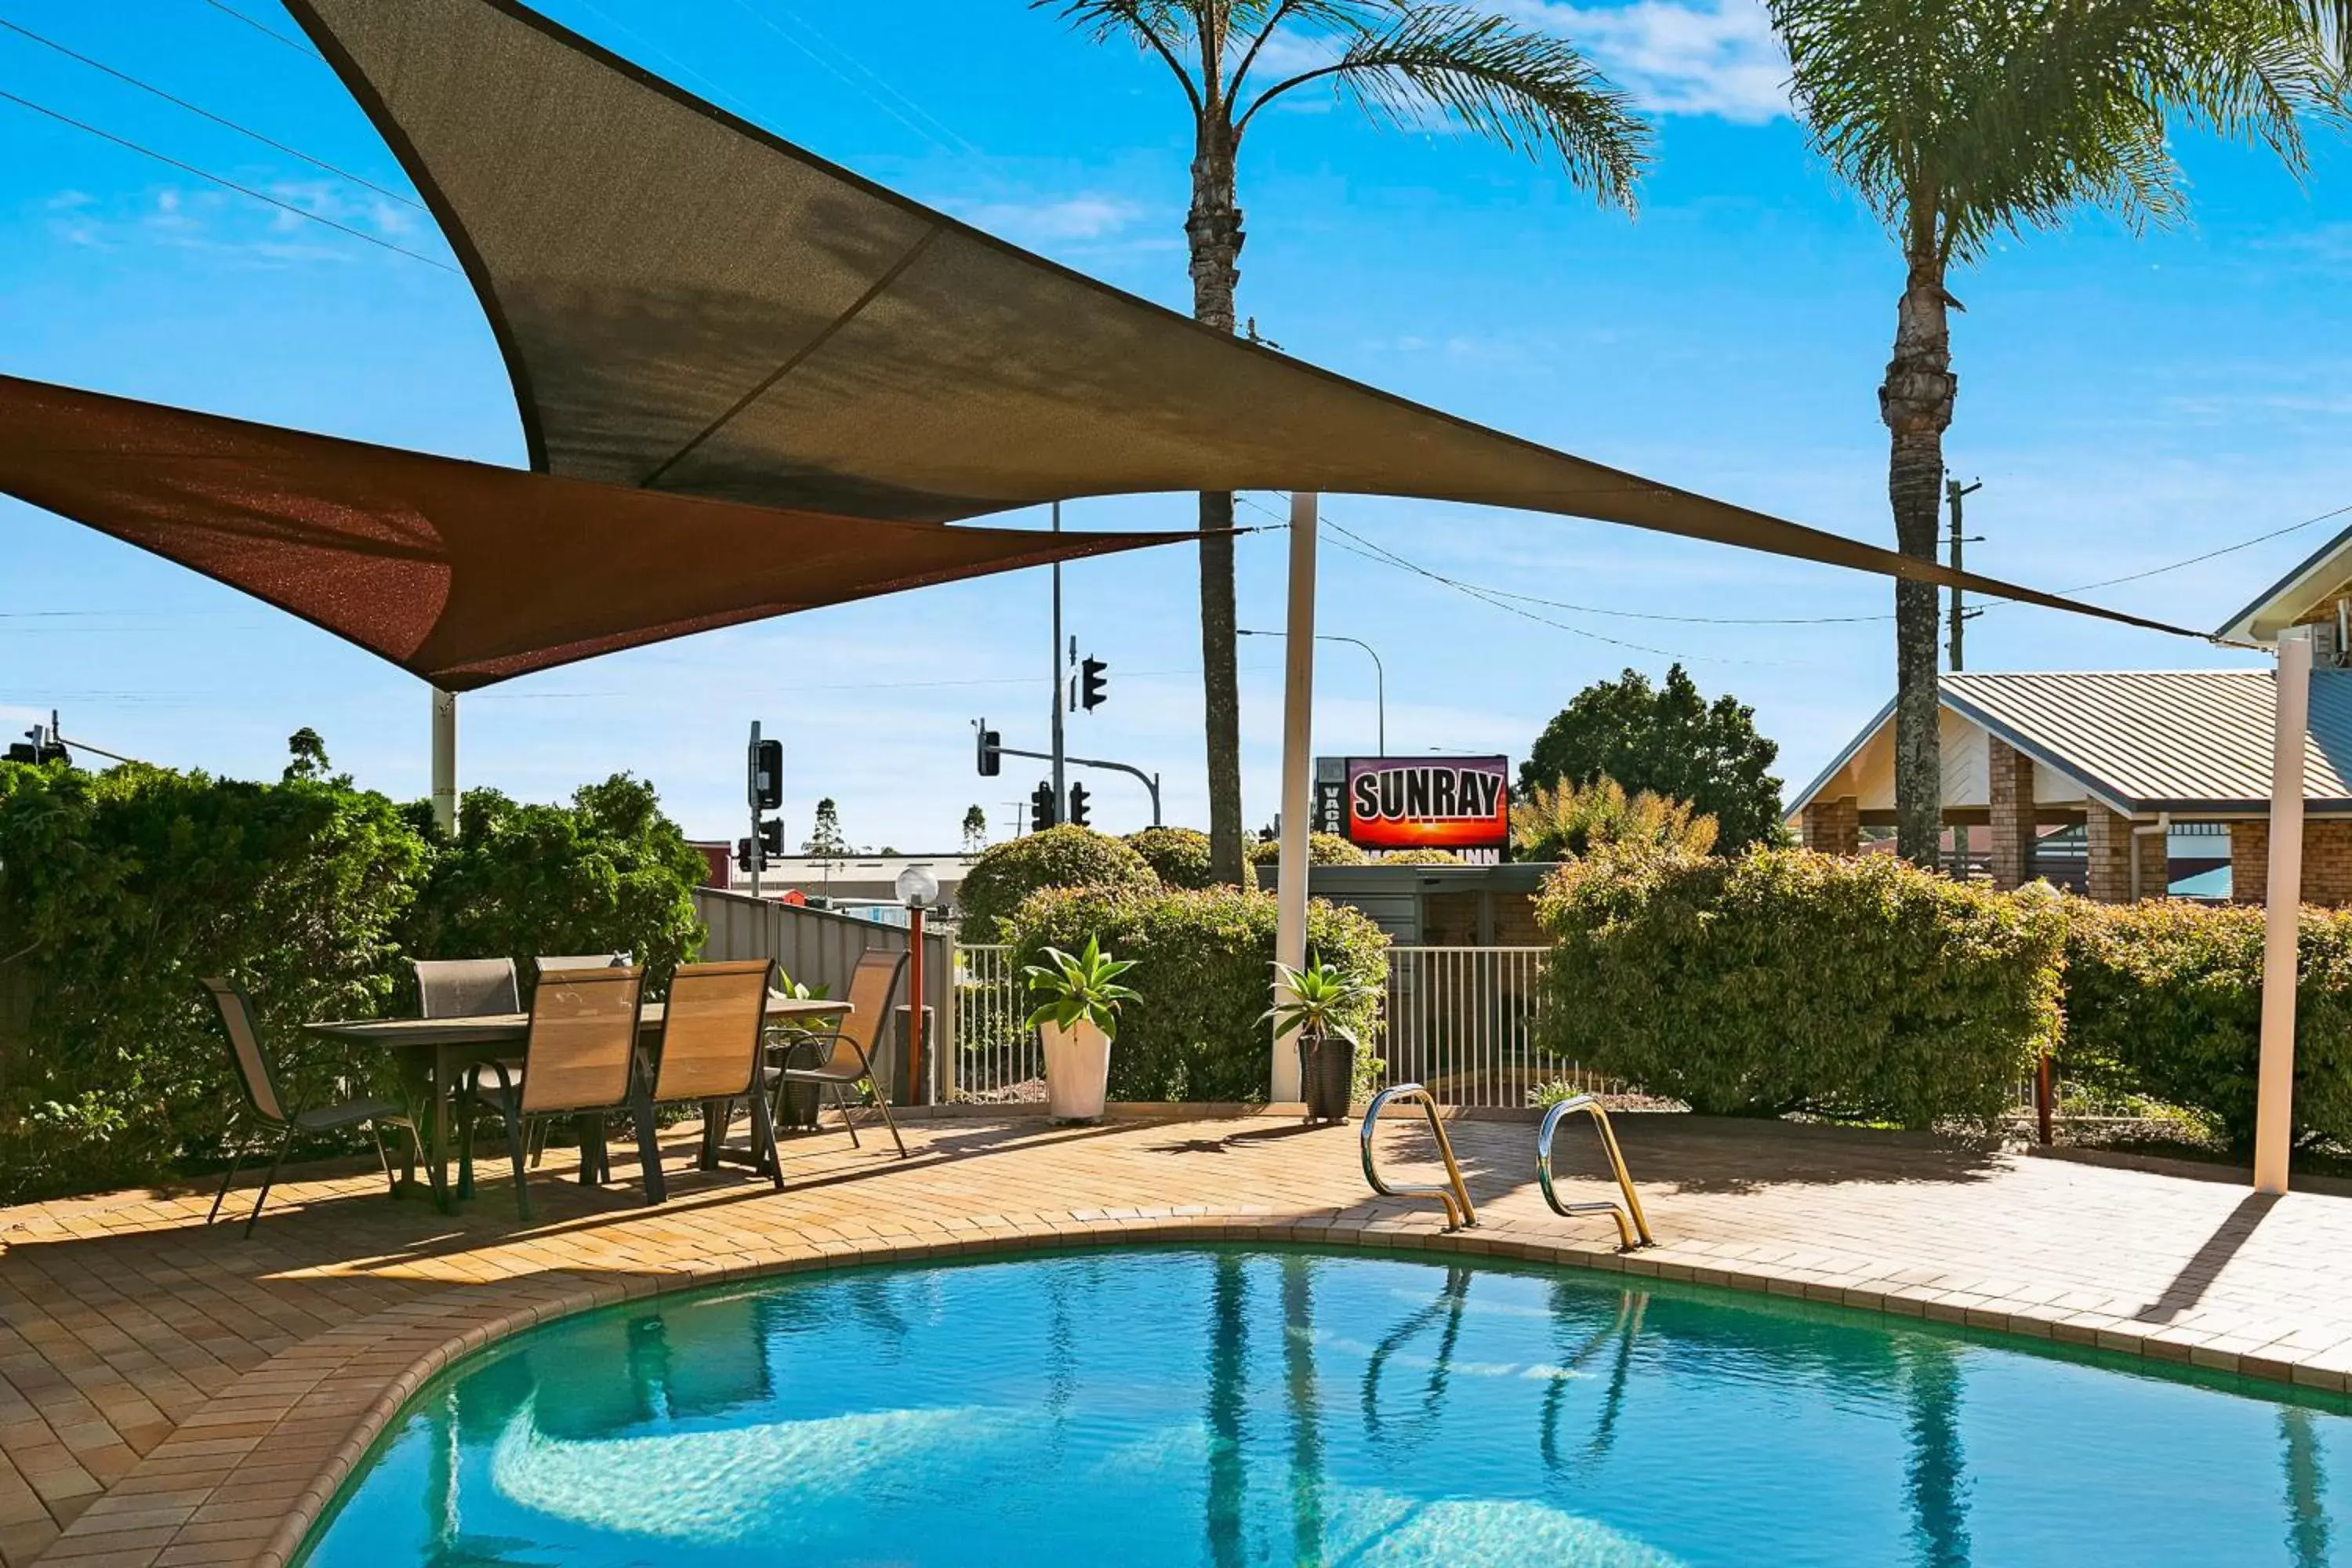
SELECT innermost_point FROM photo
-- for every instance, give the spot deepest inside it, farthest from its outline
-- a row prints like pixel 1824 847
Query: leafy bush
pixel 1568 821
pixel 1177 856
pixel 2163 999
pixel 609 873
pixel 1788 981
pixel 119 893
pixel 1204 973
pixel 1322 850
pixel 1063 857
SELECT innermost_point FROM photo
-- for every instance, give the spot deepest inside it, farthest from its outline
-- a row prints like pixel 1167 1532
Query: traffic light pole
pixel 1150 781
pixel 1061 789
pixel 752 790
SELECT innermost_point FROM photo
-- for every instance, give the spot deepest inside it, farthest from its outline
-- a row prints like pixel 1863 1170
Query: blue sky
pixel 2128 401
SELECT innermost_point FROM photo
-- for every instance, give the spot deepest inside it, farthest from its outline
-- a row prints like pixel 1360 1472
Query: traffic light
pixel 39 747
pixel 992 760
pixel 771 838
pixel 743 854
pixel 767 776
pixel 1077 805
pixel 1041 807
pixel 1090 683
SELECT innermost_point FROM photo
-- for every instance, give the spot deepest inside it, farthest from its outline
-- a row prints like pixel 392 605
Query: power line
pixel 226 184
pixel 207 114
pixel 298 47
pixel 948 131
pixel 2225 550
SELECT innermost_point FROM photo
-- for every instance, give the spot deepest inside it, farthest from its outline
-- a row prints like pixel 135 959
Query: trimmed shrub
pixel 1204 970
pixel 119 893
pixel 1322 850
pixel 1062 857
pixel 609 873
pixel 2163 999
pixel 1787 981
pixel 1179 856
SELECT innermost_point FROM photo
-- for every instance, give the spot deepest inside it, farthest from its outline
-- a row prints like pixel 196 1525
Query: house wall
pixel 2108 867
pixel 1833 826
pixel 2010 787
pixel 2326 862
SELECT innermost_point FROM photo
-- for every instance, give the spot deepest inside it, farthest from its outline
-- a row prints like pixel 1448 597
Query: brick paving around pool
pixel 174 1394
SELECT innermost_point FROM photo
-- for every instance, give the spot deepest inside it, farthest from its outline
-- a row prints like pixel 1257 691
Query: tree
pixel 1568 821
pixel 826 837
pixel 1959 121
pixel 1670 741
pixel 1403 62
pixel 975 830
pixel 305 756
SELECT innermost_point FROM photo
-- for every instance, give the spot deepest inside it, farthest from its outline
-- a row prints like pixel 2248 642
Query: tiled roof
pixel 2164 740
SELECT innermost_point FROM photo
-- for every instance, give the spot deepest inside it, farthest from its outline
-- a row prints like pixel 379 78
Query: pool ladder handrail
pixel 1455 1193
pixel 1630 1219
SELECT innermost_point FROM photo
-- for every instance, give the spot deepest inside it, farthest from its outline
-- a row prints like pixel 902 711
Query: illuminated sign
pixel 1427 803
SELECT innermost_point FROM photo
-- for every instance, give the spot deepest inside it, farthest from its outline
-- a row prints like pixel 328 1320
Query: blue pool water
pixel 1228 1407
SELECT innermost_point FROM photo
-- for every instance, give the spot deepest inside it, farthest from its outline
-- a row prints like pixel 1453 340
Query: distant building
pixel 856 884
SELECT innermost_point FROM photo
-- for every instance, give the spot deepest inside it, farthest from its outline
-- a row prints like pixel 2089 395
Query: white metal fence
pixel 1459 1020
pixel 997 1056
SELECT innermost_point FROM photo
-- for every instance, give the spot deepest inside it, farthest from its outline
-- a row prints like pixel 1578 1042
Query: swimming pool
pixel 1242 1406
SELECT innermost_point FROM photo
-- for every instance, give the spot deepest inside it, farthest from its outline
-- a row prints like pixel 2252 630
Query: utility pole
pixel 1060 794
pixel 1954 491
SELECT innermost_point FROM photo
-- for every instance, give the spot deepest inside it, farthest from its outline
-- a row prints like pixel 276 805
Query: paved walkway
pixel 170 1395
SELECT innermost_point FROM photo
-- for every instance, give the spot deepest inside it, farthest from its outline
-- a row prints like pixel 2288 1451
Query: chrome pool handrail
pixel 1455 1193
pixel 1631 1208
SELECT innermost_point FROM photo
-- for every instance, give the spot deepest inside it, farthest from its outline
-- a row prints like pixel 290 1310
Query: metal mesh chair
pixel 844 1059
pixel 269 1112
pixel 713 1034
pixel 466 987
pixel 579 1058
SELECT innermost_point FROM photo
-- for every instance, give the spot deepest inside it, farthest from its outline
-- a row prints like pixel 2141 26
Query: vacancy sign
pixel 1429 802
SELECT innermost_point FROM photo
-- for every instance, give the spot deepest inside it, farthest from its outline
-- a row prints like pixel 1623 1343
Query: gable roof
pixel 2314 585
pixel 2143 741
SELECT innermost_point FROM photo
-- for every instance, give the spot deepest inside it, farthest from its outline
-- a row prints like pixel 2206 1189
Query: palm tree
pixel 1403 62
pixel 1959 120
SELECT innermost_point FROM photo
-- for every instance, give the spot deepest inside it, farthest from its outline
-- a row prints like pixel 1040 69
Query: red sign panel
pixel 1429 802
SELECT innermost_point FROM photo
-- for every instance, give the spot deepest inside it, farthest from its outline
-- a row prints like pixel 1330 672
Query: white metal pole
pixel 2274 1085
pixel 1061 783
pixel 1297 761
pixel 445 761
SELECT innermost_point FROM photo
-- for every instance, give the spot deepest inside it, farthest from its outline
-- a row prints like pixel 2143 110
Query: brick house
pixel 2130 783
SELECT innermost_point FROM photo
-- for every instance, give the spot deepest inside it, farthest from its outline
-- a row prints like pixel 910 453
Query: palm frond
pixel 1406 65
pixel 1163 27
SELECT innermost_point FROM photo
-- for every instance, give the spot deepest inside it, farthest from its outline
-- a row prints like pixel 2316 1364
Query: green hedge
pixel 1786 981
pixel 1204 969
pixel 1177 856
pixel 1063 857
pixel 121 892
pixel 2165 1000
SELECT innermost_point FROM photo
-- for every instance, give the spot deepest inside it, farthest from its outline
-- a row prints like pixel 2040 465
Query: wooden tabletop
pixel 492 1028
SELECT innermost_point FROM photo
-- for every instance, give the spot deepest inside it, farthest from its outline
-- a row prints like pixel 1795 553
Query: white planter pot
pixel 1078 1070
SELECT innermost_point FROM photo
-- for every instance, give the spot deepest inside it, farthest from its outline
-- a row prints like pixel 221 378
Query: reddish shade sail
pixel 462 572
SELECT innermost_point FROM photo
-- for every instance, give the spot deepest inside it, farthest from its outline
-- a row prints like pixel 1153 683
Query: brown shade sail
pixel 459 571
pixel 690 304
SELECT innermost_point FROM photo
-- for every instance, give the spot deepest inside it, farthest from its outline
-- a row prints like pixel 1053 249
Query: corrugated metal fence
pixel 819 948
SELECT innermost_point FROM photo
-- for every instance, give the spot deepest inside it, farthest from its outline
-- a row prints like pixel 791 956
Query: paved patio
pixel 170 1395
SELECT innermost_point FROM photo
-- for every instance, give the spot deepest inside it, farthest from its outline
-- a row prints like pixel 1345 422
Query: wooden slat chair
pixel 579 1058
pixel 714 1023
pixel 267 1110
pixel 549 964
pixel 844 1059
pixel 466 987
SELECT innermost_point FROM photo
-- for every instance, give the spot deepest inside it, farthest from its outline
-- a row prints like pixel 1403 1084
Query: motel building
pixel 2125 785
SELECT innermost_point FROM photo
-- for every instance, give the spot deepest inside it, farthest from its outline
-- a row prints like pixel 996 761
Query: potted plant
pixel 800 1049
pixel 1313 1000
pixel 1077 1016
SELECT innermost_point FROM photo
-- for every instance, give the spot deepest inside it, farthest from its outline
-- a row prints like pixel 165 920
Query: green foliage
pixel 1788 981
pixel 609 873
pixel 1063 857
pixel 1208 956
pixel 1569 822
pixel 1669 741
pixel 119 893
pixel 2163 999
pixel 1079 988
pixel 1179 856
pixel 1321 999
pixel 1322 850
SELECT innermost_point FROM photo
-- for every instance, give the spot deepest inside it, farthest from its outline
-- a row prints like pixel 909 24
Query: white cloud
pixel 1679 57
pixel 1085 216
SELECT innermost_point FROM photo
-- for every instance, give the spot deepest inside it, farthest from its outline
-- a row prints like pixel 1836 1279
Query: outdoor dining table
pixel 431 1054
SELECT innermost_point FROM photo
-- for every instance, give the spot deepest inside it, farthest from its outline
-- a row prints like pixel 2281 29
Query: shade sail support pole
pixel 2274 1085
pixel 1297 743
pixel 444 762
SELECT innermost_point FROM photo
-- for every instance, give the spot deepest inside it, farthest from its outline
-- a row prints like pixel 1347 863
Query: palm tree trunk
pixel 1214 228
pixel 1916 402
